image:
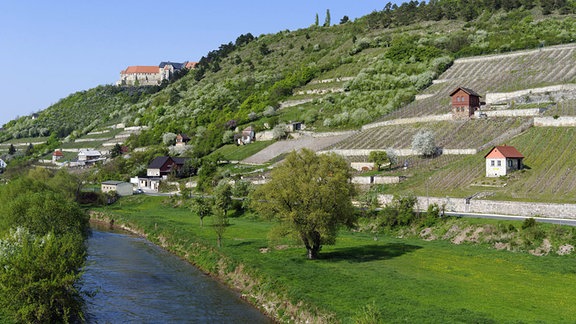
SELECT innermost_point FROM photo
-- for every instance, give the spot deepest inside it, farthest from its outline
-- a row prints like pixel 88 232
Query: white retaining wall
pixel 558 122
pixel 504 96
pixel 400 152
pixel 527 209
pixel 412 120
pixel 376 180
pixel 511 112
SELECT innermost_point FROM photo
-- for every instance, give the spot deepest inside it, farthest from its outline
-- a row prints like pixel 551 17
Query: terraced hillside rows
pixel 462 134
pixel 496 73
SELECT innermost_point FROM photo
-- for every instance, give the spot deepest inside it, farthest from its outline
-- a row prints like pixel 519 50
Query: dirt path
pixel 280 147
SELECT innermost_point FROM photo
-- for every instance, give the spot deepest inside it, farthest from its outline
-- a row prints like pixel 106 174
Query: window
pixel 491 162
pixel 499 163
pixel 509 163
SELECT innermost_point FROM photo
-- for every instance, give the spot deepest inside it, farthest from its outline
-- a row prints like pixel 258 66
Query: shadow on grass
pixel 368 253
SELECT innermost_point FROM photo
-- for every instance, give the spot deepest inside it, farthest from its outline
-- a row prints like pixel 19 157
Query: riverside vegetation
pixel 42 251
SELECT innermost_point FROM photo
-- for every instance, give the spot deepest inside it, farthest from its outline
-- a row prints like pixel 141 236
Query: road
pixel 559 221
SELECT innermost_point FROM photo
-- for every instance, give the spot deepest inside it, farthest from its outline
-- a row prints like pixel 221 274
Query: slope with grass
pixel 404 279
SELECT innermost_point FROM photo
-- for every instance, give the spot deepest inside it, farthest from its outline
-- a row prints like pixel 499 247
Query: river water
pixel 137 282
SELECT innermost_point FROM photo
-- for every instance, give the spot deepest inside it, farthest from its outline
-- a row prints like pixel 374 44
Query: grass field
pixel 233 152
pixel 407 280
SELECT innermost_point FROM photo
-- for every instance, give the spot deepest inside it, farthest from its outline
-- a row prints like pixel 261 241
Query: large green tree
pixel 311 195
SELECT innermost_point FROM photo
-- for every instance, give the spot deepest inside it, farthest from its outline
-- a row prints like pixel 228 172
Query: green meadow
pixel 404 280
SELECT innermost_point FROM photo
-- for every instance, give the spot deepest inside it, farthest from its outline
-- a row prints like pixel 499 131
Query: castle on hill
pixel 143 75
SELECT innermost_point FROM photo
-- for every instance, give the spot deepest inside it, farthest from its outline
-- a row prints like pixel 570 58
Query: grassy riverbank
pixel 405 280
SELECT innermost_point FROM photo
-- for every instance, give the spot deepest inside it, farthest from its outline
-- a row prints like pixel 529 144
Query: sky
pixel 50 49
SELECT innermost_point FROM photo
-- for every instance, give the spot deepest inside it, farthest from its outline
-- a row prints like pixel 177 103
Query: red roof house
pixel 464 102
pixel 502 160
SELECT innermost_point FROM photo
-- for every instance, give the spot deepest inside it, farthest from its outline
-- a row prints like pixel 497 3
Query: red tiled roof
pixel 191 65
pixel 58 153
pixel 504 151
pixel 468 91
pixel 141 69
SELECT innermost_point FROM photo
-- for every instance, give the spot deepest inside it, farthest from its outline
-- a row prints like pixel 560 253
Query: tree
pixel 327 20
pixel 116 150
pixel 169 138
pixel 424 143
pixel 379 158
pixel 202 207
pixel 11 149
pixel 344 20
pixel 311 196
pixel 316 20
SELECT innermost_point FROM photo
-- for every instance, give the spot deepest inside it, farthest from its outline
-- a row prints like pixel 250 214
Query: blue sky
pixel 50 49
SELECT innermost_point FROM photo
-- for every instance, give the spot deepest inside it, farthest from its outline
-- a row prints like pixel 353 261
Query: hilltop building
pixel 501 160
pixel 464 103
pixel 151 75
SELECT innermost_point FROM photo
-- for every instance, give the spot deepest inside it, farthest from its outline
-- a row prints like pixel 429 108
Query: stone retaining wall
pixel 412 120
pixel 376 180
pixel 511 112
pixel 505 96
pixel 400 152
pixel 528 209
pixel 558 122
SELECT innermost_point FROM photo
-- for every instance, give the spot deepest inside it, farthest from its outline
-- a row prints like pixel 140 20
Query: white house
pixel 2 164
pixel 89 156
pixel 502 160
pixel 122 188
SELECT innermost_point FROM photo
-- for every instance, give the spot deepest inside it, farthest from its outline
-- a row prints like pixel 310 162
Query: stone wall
pixel 511 112
pixel 377 180
pixel 505 96
pixel 527 209
pixel 360 166
pixel 552 122
pixel 412 120
pixel 400 152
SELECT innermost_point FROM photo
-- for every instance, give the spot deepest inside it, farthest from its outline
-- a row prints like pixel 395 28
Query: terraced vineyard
pixel 549 175
pixel 462 134
pixel 563 108
pixel 497 73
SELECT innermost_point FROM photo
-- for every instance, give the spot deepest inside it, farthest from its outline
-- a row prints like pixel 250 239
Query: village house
pixel 464 103
pixel 162 166
pixel 182 139
pixel 86 157
pixel 247 136
pixel 501 160
pixel 57 155
pixel 120 187
pixel 2 165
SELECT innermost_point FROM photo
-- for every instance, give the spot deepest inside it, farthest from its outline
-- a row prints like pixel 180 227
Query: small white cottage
pixel 502 160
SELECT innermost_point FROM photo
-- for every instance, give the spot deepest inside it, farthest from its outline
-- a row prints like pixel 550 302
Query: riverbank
pixel 365 275
pixel 213 263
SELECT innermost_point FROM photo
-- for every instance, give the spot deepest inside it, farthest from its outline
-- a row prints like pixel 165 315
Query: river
pixel 137 282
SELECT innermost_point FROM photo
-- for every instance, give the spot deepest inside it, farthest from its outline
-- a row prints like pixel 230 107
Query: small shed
pixel 57 155
pixel 122 188
pixel 247 136
pixel 501 160
pixel 182 139
pixel 464 102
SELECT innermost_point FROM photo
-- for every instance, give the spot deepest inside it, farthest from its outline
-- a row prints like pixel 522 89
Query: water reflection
pixel 137 282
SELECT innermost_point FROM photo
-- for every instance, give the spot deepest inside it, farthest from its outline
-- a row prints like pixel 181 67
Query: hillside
pixel 364 75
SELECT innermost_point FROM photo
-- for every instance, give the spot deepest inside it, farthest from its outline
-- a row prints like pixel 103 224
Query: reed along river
pixel 137 282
